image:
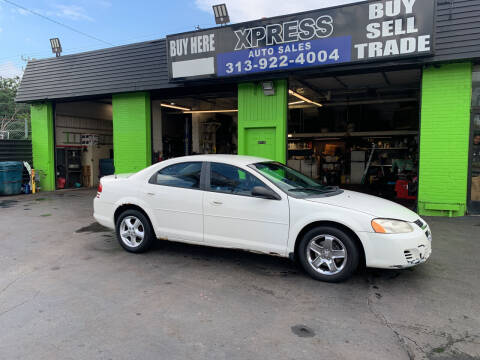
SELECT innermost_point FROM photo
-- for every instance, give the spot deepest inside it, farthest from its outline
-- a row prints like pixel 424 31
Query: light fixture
pixel 296 103
pixel 221 14
pixel 290 135
pixel 56 46
pixel 328 139
pixel 301 97
pixel 209 111
pixel 268 88
pixel 172 106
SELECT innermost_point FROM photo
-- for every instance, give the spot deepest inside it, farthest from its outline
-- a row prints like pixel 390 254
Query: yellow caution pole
pixel 33 181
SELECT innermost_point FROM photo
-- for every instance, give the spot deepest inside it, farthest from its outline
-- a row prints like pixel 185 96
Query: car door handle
pixel 150 194
pixel 216 203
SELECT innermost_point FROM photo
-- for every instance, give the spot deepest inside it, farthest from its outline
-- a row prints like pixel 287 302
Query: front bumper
pixel 397 251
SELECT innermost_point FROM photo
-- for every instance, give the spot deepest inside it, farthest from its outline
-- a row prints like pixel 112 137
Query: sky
pixel 24 35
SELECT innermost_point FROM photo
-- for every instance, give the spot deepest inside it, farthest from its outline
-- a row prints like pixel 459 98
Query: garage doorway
pixel 358 131
pixel 83 143
pixel 200 122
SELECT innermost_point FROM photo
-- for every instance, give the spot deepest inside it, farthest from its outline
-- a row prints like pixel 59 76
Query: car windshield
pixel 291 181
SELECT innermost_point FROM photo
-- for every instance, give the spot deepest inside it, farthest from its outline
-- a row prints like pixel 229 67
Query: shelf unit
pixel 367 134
pixel 69 165
pixel 398 148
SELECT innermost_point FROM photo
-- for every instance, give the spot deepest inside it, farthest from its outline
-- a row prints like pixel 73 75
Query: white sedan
pixel 262 206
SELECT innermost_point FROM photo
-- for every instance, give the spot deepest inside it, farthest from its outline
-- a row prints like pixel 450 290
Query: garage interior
pixel 358 131
pixel 189 124
pixel 83 143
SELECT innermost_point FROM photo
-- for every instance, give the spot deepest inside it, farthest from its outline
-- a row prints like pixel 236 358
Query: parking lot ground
pixel 68 291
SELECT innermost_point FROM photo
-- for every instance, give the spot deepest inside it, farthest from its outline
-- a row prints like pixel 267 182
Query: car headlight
pixel 389 226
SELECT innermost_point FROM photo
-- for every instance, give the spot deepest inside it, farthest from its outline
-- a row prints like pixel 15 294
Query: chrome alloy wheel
pixel 132 231
pixel 326 254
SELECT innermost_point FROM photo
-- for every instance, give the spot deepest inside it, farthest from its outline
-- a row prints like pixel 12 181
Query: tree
pixel 12 115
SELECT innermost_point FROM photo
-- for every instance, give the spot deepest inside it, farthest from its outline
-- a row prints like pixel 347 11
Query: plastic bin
pixel 106 167
pixel 401 188
pixel 11 173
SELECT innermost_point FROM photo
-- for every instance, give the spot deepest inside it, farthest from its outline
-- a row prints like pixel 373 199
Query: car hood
pixel 368 204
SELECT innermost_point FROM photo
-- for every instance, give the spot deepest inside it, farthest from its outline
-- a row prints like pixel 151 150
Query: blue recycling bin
pixel 106 167
pixel 11 173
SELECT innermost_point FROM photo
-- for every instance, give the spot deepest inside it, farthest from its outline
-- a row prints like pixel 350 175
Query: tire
pixel 324 262
pixel 134 231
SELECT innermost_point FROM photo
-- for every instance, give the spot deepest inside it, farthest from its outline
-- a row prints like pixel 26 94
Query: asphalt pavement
pixel 68 291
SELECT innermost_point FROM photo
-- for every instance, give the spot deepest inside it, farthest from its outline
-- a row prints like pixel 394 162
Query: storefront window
pixel 475 147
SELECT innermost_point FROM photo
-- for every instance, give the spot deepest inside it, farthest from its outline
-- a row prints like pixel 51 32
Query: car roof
pixel 238 160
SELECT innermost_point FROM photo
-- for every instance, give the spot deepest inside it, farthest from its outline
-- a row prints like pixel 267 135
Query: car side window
pixel 184 175
pixel 232 180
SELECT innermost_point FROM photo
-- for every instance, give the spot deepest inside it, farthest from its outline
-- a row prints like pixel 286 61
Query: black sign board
pixel 367 31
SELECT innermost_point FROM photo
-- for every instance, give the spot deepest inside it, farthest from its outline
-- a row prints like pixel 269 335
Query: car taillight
pixel 99 189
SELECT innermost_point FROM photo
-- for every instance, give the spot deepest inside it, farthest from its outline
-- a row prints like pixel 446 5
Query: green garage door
pixel 261 142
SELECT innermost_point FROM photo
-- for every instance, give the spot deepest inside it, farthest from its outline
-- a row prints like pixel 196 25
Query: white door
pixel 236 219
pixel 174 195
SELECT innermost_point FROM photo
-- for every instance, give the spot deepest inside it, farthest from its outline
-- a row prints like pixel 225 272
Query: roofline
pixel 54 58
pixel 333 70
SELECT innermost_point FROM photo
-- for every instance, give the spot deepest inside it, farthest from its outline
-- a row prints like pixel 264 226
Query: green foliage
pixel 12 115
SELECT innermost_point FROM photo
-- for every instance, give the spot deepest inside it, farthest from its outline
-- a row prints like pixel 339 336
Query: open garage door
pixel 358 131
pixel 203 121
pixel 83 143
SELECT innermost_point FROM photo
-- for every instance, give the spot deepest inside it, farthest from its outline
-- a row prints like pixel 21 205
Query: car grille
pixel 408 255
pixel 415 256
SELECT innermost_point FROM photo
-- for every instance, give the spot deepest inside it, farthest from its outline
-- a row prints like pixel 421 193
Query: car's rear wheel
pixel 328 254
pixel 134 232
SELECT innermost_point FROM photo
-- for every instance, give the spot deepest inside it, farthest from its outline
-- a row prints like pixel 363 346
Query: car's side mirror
pixel 265 193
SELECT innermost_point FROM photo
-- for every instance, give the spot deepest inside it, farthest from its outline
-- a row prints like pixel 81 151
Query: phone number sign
pixel 288 56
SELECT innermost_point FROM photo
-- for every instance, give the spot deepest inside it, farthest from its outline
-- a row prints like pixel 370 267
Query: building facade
pixel 379 96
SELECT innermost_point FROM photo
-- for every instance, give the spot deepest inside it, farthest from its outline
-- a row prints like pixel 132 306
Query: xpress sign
pixel 369 31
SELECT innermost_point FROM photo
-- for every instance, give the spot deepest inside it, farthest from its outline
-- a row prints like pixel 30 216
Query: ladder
pixel 368 165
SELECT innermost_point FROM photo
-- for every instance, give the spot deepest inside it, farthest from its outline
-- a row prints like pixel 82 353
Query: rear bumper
pixel 103 213
pixel 397 251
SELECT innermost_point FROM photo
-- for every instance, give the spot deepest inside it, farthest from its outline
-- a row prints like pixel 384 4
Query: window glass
pixel 184 175
pixel 476 87
pixel 291 181
pixel 232 180
pixel 475 146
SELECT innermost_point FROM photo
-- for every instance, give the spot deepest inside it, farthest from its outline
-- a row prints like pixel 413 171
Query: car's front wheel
pixel 134 232
pixel 328 254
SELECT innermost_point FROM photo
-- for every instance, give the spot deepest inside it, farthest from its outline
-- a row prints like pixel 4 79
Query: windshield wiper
pixel 322 191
